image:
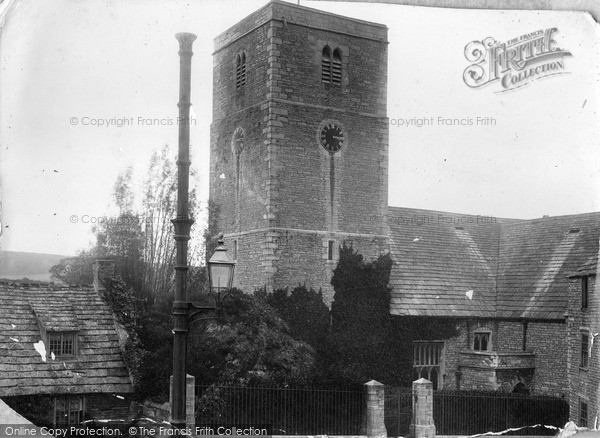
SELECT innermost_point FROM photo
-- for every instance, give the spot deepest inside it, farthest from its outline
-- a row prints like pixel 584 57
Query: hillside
pixel 31 265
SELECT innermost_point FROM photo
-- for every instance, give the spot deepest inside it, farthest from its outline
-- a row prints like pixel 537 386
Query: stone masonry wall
pixel 548 342
pixel 584 382
pixel 509 336
pixel 311 190
pixel 507 364
pixel 302 259
pixel 452 347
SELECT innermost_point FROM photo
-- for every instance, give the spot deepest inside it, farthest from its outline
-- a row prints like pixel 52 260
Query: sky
pixel 66 67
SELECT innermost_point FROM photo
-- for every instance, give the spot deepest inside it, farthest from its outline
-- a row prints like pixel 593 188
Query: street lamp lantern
pixel 220 268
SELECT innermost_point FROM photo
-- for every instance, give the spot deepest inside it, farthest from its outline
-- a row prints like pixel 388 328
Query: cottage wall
pixel 539 368
pixel 584 382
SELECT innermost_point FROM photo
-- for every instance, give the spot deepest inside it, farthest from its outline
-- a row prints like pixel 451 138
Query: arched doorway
pixel 520 388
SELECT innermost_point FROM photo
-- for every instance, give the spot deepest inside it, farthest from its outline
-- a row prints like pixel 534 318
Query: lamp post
pixel 182 224
pixel 221 264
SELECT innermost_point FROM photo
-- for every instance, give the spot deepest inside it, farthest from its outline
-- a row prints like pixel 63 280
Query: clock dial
pixel 332 137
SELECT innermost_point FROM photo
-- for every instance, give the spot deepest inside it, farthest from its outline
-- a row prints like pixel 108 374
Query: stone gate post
pixel 421 425
pixel 373 421
pixel 190 401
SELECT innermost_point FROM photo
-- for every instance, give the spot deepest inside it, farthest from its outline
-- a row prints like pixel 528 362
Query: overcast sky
pixel 68 63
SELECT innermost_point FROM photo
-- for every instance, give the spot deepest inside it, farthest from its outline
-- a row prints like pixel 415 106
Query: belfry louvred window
pixel 240 70
pixel 331 66
pixel 336 67
pixel 326 65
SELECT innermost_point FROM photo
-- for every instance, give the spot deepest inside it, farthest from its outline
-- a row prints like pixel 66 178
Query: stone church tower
pixel 299 144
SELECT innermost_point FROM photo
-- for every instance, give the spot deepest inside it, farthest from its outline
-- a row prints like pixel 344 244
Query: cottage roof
pixel 458 265
pixel 98 366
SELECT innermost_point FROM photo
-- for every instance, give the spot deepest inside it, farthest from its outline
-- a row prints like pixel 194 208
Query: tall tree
pixel 123 191
pixel 75 270
pixel 360 317
pixel 159 207
pixel 121 238
pixel 367 341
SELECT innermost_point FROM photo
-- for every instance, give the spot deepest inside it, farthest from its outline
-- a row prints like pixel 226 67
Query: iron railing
pixel 473 412
pixel 284 411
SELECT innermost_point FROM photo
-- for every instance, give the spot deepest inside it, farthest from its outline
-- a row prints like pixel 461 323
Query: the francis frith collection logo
pixel 516 62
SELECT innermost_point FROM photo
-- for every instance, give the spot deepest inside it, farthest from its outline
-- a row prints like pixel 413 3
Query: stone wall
pixel 541 367
pixel 584 382
pixel 548 342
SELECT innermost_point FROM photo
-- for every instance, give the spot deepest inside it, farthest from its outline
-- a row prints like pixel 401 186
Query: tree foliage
pixel 75 270
pixel 360 318
pixel 141 240
pixel 367 341
pixel 250 344
pixel 211 233
pixel 305 313
pixel 247 344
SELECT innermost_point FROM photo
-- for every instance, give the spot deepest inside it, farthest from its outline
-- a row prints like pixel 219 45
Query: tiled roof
pixel 449 264
pixel 98 367
pixel 588 268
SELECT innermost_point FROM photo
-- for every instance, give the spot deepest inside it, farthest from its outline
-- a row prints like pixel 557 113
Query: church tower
pixel 299 144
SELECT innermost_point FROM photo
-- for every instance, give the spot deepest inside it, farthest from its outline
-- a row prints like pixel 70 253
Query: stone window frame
pixel 584 348
pixel 344 55
pixel 241 69
pixel 330 249
pixel 74 414
pixel 583 412
pixel 585 292
pixel 482 332
pixel 426 363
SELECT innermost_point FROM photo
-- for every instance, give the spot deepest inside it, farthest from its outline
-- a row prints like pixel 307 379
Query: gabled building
pixel 62 344
pixel 505 284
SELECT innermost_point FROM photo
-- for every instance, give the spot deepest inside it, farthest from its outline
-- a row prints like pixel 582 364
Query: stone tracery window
pixel 428 361
pixel 482 341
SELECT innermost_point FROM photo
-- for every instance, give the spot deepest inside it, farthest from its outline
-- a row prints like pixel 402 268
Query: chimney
pixel 102 270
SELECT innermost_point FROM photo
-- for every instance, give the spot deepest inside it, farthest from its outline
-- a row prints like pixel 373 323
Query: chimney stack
pixel 103 270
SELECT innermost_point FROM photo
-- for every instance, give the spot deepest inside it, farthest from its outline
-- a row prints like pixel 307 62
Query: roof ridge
pixel 423 210
pixel 513 220
pixel 24 283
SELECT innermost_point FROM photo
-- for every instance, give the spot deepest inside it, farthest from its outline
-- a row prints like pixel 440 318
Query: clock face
pixel 332 137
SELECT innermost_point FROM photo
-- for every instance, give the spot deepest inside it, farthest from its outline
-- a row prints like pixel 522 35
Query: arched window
pixel 240 70
pixel 331 66
pixel 326 65
pixel 336 67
